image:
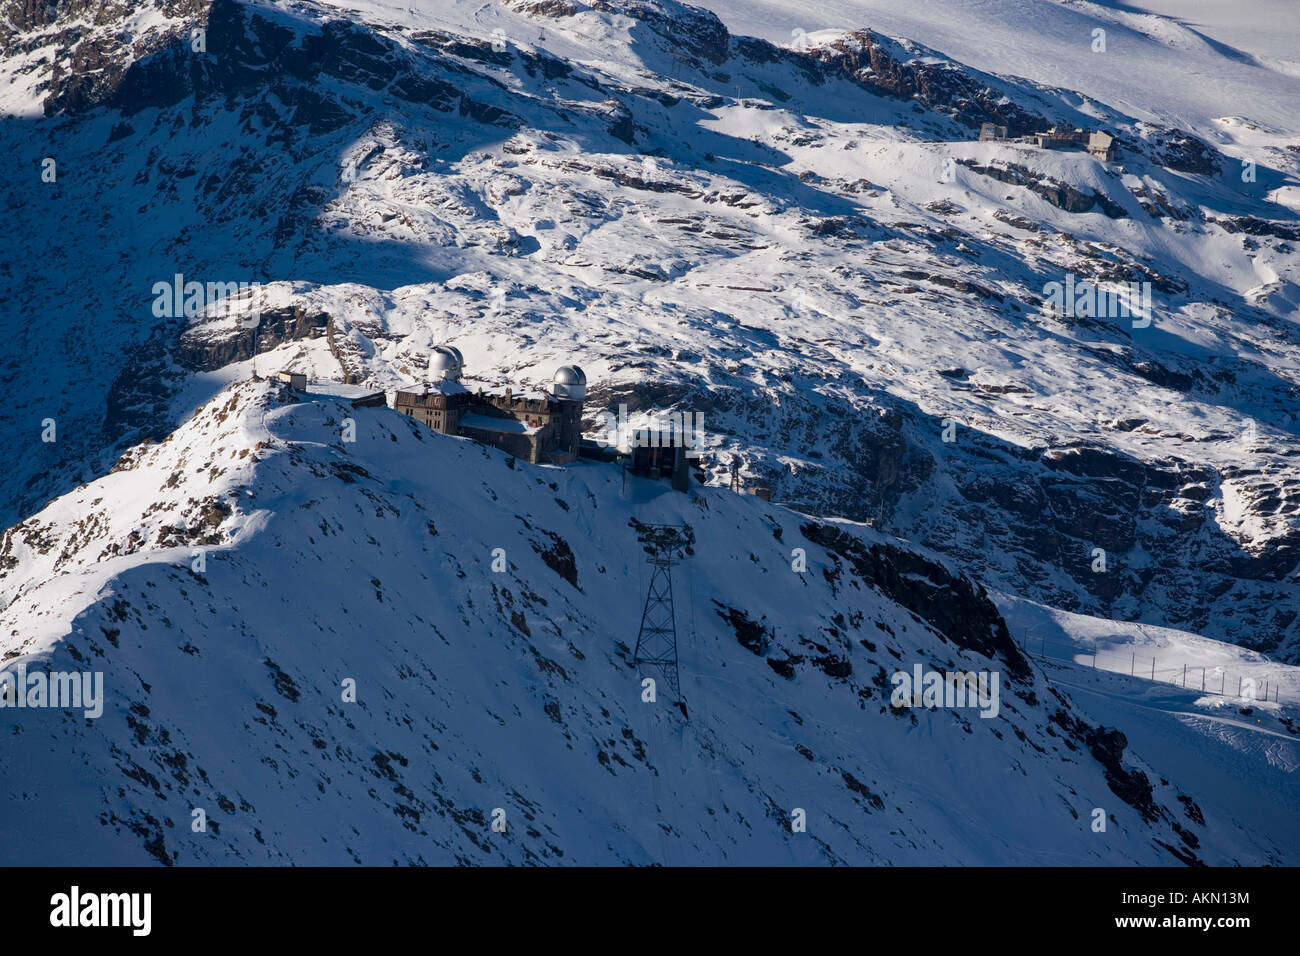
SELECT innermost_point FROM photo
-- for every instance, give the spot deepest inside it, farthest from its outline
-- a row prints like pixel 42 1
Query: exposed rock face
pixel 1254 226
pixel 244 46
pixel 545 8
pixel 95 54
pixel 138 401
pixel 1059 194
pixel 879 65
pixel 1178 150
pixel 954 606
pixel 690 29
pixel 1132 786
pixel 137 407
pixel 1072 500
pixel 204 352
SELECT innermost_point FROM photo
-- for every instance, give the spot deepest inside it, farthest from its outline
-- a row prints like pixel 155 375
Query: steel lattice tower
pixel 656 642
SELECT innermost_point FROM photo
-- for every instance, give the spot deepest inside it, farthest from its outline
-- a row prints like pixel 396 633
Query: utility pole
pixel 656 641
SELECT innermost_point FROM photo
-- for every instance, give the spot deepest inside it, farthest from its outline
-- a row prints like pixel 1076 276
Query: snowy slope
pixel 1186 64
pixel 478 690
pixel 1246 749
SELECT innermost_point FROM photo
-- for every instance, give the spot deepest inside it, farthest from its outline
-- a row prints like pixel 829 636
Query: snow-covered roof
pixel 443 387
pixel 491 424
pixel 530 394
pixel 339 390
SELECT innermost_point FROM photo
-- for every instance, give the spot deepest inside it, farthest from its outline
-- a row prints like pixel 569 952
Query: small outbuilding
pixel 1102 146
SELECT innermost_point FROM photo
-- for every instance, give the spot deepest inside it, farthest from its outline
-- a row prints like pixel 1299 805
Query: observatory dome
pixel 445 364
pixel 571 383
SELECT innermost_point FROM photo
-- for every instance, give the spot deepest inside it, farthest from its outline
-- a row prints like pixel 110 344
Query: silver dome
pixel 571 383
pixel 445 364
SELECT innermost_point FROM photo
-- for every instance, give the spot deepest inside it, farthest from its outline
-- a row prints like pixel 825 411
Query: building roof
pixel 339 390
pixel 444 387
pixel 489 423
pixel 521 394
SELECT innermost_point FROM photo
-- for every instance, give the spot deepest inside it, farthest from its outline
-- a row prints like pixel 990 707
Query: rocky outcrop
pixel 885 67
pixel 1178 150
pixel 545 8
pixel 245 50
pixel 1056 506
pixel 690 30
pixel 1059 194
pixel 1254 226
pixel 953 605
pixel 1107 748
pixel 94 54
pixel 201 350
pixel 138 403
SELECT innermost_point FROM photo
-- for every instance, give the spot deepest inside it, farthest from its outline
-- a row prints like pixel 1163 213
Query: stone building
pixel 1058 137
pixel 540 427
pixel 667 461
pixel 1098 144
pixel 1102 146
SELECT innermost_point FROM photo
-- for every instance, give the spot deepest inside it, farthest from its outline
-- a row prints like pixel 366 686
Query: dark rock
pixel 954 606
pixel 1059 194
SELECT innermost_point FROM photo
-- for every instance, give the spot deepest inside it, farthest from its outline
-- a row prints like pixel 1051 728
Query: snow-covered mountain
pixel 800 240
pixel 478 690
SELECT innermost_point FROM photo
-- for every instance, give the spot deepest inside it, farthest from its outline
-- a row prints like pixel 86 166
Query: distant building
pixel 661 461
pixel 1102 146
pixel 293 379
pixel 359 396
pixel 541 427
pixel 377 399
pixel 1098 144
pixel 1058 137
pixel 597 451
